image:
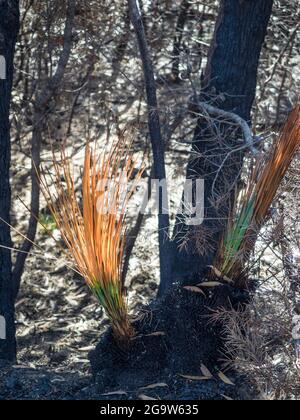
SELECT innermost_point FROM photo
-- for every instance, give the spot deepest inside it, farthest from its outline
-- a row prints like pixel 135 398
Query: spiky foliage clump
pixel 236 230
pixel 94 233
pixel 252 205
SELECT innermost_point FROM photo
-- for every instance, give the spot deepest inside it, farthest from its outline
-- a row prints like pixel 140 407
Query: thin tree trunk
pixel 9 26
pixel 157 142
pixel 230 81
pixel 182 17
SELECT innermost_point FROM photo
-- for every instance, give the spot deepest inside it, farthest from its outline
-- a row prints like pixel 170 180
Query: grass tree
pixel 94 233
pixel 252 204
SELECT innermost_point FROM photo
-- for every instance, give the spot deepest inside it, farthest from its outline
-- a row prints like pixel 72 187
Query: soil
pixel 161 362
pixel 24 383
pixel 173 340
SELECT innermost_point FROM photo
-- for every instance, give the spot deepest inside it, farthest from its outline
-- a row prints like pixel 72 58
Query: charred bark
pixel 182 17
pixel 9 26
pixel 157 143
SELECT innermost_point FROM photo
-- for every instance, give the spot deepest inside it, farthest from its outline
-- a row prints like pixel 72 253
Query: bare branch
pixel 231 116
pixel 54 82
pixel 40 108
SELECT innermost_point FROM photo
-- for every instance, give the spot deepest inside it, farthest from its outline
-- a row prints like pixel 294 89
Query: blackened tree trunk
pixel 183 12
pixel 157 142
pixel 230 82
pixel 9 24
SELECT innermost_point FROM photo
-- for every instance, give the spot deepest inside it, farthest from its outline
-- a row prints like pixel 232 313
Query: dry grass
pixel 258 344
pixel 95 234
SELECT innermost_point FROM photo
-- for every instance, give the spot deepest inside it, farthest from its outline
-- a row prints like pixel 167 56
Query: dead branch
pixel 236 119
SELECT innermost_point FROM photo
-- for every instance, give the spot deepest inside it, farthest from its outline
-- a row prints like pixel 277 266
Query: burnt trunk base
pixel 173 338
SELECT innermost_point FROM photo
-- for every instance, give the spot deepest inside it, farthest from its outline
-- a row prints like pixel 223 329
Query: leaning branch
pixel 230 116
